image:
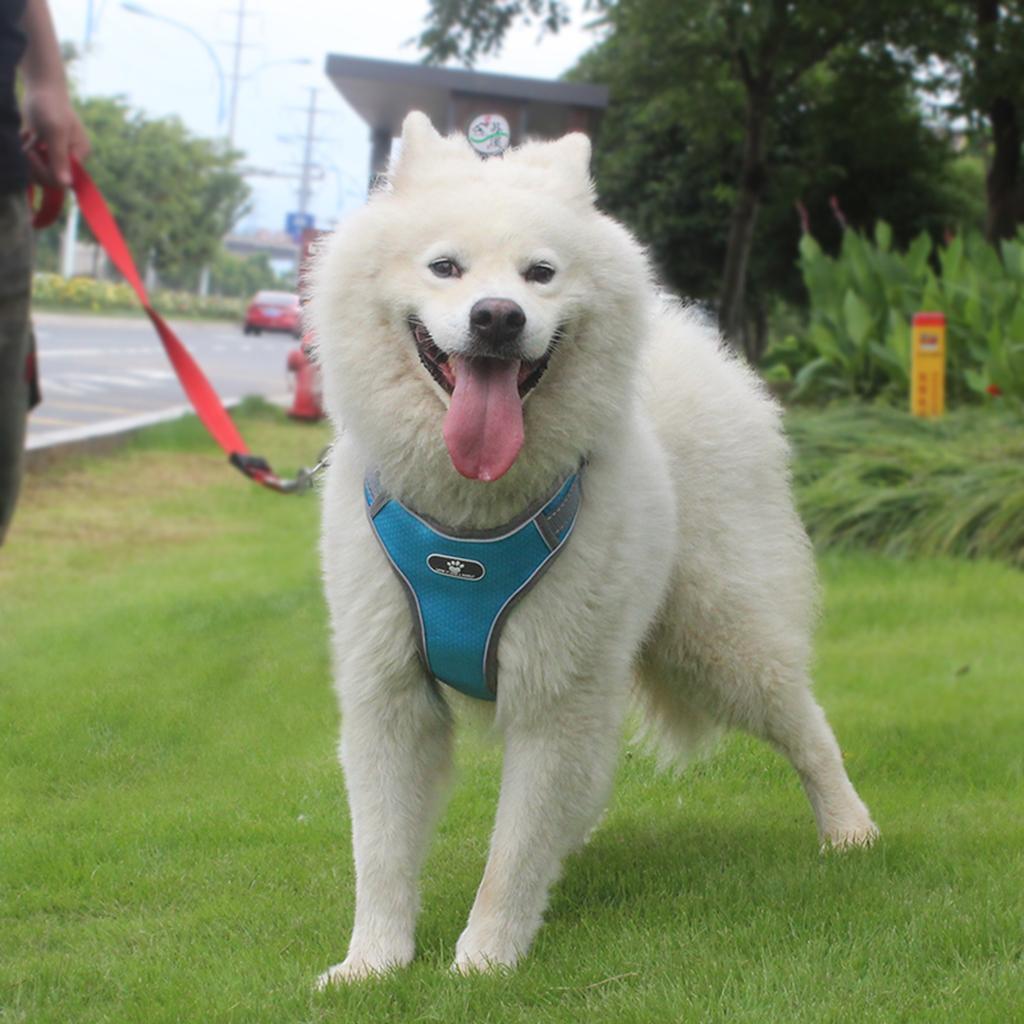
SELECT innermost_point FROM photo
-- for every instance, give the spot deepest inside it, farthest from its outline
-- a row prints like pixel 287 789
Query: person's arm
pixel 48 116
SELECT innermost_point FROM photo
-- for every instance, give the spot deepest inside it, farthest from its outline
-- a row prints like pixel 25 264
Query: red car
pixel 273 311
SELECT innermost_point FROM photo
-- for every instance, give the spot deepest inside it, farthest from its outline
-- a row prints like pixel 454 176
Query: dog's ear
pixel 568 162
pixel 420 146
pixel 572 152
pixel 419 136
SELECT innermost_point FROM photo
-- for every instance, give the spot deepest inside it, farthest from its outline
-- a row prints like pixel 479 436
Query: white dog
pixel 485 334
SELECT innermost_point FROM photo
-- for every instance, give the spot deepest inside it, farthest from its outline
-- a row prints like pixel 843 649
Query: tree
pixel 242 276
pixel 769 45
pixel 978 51
pixel 174 195
pixel 467 29
pixel 666 155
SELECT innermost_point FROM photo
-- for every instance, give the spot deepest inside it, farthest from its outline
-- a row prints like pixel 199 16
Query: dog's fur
pixel 688 581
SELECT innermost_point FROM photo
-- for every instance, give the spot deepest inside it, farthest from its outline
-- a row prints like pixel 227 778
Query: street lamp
pixel 134 8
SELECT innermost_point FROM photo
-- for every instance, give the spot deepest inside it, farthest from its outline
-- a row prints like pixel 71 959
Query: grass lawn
pixel 173 833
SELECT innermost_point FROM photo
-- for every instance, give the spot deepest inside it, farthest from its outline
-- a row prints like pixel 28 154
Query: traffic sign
pixel 296 223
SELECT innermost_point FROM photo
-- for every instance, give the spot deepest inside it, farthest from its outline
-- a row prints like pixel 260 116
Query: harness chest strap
pixel 461 585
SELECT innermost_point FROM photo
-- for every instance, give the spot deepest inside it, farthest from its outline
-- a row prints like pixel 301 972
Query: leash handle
pixel 197 387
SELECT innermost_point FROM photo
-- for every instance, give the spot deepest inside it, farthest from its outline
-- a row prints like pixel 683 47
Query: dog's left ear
pixel 568 161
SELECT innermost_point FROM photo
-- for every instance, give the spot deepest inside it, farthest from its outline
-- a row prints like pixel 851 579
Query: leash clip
pixel 257 468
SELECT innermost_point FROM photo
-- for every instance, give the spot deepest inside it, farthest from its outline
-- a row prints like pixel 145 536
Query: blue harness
pixel 461 586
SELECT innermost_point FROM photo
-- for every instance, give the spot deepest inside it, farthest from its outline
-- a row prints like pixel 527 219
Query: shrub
pixel 857 340
pixel 51 291
pixel 869 476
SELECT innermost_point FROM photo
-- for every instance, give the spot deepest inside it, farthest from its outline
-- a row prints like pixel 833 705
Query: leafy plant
pixel 857 340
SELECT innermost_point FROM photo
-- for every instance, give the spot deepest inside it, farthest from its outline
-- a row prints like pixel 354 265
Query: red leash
pixel 201 394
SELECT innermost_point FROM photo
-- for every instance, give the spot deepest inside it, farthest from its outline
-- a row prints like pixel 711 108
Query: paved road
pixel 103 374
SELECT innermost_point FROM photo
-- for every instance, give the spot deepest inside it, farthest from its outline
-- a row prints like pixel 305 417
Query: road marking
pixel 243 378
pixel 50 421
pixel 109 379
pixel 155 374
pixel 63 387
pixel 63 403
pixel 47 353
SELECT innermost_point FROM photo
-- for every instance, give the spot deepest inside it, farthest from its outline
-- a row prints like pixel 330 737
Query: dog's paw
pixel 356 967
pixel 850 837
pixel 484 953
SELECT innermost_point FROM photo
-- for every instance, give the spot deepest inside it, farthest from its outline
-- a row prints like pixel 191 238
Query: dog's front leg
pixel 396 753
pixel 556 777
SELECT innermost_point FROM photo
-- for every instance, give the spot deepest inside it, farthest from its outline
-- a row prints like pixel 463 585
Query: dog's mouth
pixel 483 428
pixel 442 367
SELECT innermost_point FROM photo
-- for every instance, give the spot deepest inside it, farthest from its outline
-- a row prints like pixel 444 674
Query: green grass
pixel 173 833
pixel 870 476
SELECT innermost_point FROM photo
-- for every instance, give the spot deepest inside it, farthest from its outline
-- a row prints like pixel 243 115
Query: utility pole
pixel 236 70
pixel 306 175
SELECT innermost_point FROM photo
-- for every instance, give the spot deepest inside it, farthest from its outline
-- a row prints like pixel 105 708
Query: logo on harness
pixel 458 568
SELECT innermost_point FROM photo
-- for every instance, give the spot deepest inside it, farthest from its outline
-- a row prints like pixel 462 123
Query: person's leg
pixel 15 289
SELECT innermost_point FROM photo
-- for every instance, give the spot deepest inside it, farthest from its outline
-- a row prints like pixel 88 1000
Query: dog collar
pixel 462 584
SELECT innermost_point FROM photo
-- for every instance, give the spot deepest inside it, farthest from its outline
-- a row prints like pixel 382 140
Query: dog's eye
pixel 445 267
pixel 540 273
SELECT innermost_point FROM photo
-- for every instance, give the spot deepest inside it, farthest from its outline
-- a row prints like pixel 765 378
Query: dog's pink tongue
pixel 484 425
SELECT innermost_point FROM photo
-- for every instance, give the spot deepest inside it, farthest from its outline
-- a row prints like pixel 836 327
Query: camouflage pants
pixel 15 341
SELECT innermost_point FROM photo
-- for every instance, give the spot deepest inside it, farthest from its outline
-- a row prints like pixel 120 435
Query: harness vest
pixel 461 585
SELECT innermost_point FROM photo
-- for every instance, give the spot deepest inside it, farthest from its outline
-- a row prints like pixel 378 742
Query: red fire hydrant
pixel 307 404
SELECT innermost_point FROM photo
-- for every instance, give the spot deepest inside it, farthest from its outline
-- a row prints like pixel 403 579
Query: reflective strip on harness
pixel 462 585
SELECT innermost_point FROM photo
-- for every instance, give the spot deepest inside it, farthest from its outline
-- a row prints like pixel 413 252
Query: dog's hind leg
pixel 794 723
pixel 396 752
pixel 556 778
pixel 750 675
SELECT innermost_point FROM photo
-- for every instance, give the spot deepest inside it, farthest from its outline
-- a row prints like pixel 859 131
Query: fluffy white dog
pixel 484 332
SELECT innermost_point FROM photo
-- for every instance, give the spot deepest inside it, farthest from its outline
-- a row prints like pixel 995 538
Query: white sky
pixel 163 70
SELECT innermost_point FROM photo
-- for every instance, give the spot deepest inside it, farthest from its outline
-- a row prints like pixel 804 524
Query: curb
pixel 105 437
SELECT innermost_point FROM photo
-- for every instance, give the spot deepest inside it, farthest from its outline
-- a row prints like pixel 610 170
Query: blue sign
pixel 296 223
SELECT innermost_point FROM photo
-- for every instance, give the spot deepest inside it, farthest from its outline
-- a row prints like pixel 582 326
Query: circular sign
pixel 489 134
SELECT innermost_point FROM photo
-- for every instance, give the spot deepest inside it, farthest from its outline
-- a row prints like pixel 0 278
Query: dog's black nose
pixel 496 324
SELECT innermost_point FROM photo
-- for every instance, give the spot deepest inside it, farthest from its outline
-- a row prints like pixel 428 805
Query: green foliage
pixel 51 291
pixel 857 340
pixel 872 477
pixel 669 145
pixel 174 195
pixel 241 276
pixel 469 29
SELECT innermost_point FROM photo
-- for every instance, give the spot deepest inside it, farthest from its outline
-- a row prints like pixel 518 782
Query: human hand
pixel 51 125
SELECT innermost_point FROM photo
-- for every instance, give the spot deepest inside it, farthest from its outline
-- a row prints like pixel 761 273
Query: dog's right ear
pixel 420 145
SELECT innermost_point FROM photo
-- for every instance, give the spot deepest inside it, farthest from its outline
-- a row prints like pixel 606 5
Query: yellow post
pixel 928 365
